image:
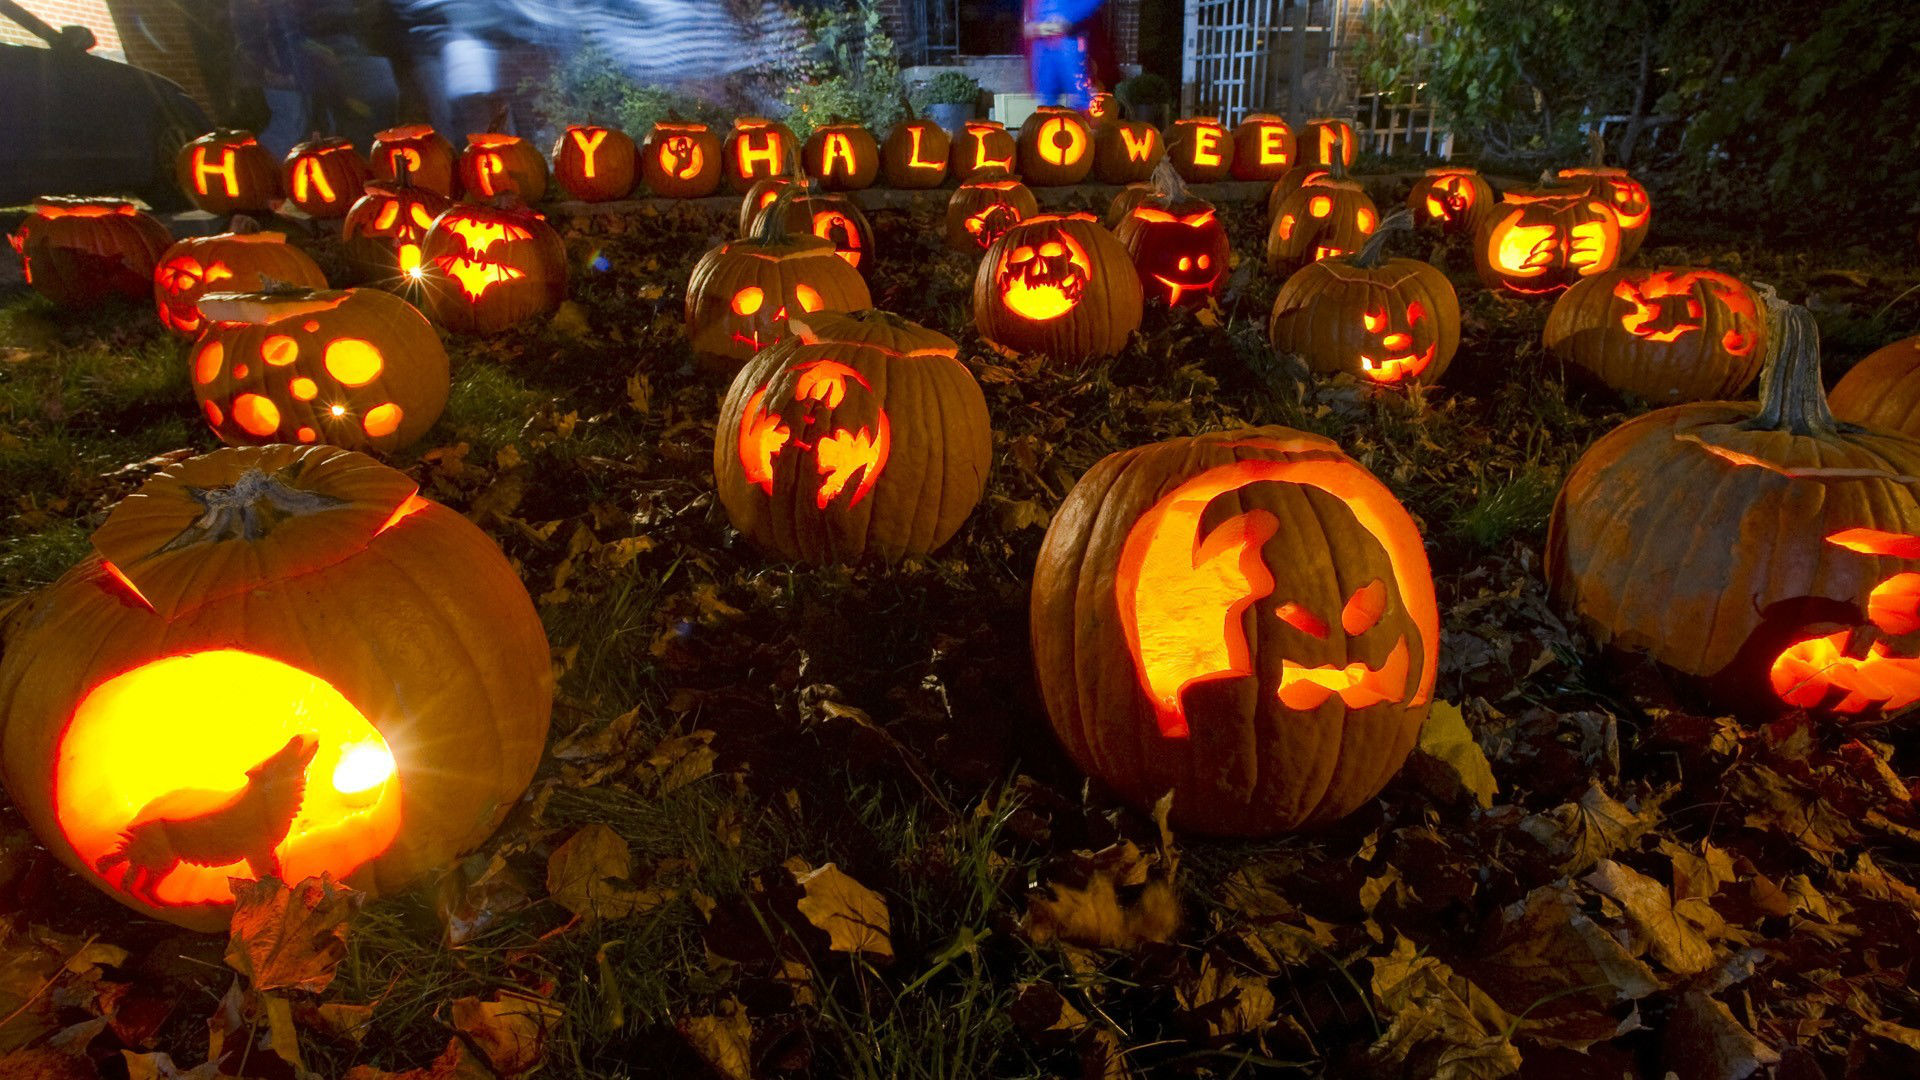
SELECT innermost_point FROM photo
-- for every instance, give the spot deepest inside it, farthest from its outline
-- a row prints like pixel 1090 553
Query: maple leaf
pixel 588 875
pixel 1447 742
pixel 1442 1023
pixel 290 938
pixel 724 1040
pixel 1675 942
pixel 510 1031
pixel 1580 833
pixel 854 916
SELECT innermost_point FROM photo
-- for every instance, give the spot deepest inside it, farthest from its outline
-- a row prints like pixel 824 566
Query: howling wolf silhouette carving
pixel 213 828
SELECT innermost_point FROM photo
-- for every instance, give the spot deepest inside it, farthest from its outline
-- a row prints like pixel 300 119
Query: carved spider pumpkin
pixel 681 159
pixel 1246 618
pixel 1291 181
pixel 1627 197
pixel 424 153
pixel 594 163
pixel 356 368
pixel 1390 321
pixel 1768 551
pixel 1324 140
pixel 1883 390
pixel 1453 199
pixel 841 156
pixel 496 164
pixel 243 260
pixel 1177 242
pixel 79 251
pixel 757 149
pixel 741 293
pixel 228 172
pixel 983 144
pixel 1126 151
pixel 277 661
pixel 1326 217
pixel 983 208
pixel 914 156
pixel 1059 285
pixel 324 177
pixel 1055 147
pixel 1678 333
pixel 832 217
pixel 1201 148
pixel 1541 240
pixel 1263 148
pixel 384 236
pixel 489 267
pixel 860 435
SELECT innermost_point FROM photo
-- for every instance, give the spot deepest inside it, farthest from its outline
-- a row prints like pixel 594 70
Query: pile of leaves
pixel 811 822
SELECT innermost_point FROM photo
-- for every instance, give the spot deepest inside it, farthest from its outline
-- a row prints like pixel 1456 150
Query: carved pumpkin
pixel 832 217
pixel 1453 199
pixel 280 661
pixel 760 196
pixel 1055 146
pixel 741 292
pixel 915 153
pixel 1541 240
pixel 1126 151
pixel 1177 242
pixel 228 172
pixel 1325 217
pixel 1102 107
pixel 79 251
pixel 1245 618
pixel 841 156
pixel 239 261
pixel 1291 181
pixel 324 177
pixel 1263 148
pixel 1392 321
pixel 983 144
pixel 860 435
pixel 496 164
pixel 681 159
pixel 489 267
pixel 1059 285
pixel 1883 390
pixel 384 236
pixel 356 368
pixel 1766 550
pixel 984 207
pixel 1123 203
pixel 594 163
pixel 1627 197
pixel 757 149
pixel 1201 148
pixel 1324 140
pixel 424 153
pixel 1678 333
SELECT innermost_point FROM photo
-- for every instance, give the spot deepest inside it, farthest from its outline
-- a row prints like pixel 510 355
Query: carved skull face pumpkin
pixel 1058 284
pixel 1044 278
pixel 229 262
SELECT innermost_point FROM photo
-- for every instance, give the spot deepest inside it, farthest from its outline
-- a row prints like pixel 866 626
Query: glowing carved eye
pixel 280 350
pixel 1364 608
pixel 1206 261
pixel 1020 255
pixel 1372 320
pixel 1415 312
pixel 353 362
pixel 808 296
pixel 1185 263
pixel 382 420
pixel 1364 218
pixel 1297 616
pixel 304 388
pixel 1052 249
pixel 256 414
pixel 1286 226
pixel 206 366
pixel 1320 206
pixel 748 300
pixel 421 217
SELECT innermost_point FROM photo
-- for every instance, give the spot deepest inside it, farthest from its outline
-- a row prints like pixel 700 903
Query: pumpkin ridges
pixel 1882 390
pixel 1586 328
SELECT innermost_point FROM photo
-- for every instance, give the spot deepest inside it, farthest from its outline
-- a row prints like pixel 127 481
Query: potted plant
pixel 1147 97
pixel 949 99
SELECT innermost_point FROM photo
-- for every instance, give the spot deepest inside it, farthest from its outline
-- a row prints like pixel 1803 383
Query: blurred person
pixel 312 63
pixel 456 46
pixel 671 41
pixel 1056 42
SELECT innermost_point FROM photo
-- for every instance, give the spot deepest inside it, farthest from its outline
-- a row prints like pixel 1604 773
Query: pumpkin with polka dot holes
pixel 355 368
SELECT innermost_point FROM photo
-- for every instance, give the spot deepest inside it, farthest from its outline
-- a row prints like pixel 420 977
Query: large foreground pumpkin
pixel 1768 550
pixel 1245 618
pixel 1883 390
pixel 277 661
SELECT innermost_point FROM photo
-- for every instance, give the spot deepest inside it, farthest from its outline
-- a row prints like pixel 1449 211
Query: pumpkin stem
pixel 248 509
pixel 906 105
pixel 499 121
pixel 1792 398
pixel 1374 251
pixel 1169 187
pixel 402 172
pixel 1596 148
pixel 1337 168
pixel 273 286
pixel 243 225
pixel 770 228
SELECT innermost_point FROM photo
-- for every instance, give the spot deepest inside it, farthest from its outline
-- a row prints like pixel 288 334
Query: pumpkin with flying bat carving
pixel 742 292
pixel 425 156
pixel 228 172
pixel 595 163
pixel 1245 618
pixel 1386 321
pixel 78 251
pixel 680 159
pixel 239 261
pixel 1177 242
pixel 489 267
pixel 1667 335
pixel 1059 285
pixel 984 207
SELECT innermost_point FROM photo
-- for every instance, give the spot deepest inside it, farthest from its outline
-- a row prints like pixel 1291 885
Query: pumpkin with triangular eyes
pixel 324 177
pixel 239 261
pixel 742 292
pixel 384 236
pixel 984 207
pixel 1055 146
pixel 982 144
pixel 228 172
pixel 495 164
pixel 1325 217
pixel 680 159
pixel 595 163
pixel 1452 198
pixel 423 154
pixel 486 268
pixel 78 251
pixel 1540 240
pixel 1177 242
pixel 1059 285
pixel 1201 148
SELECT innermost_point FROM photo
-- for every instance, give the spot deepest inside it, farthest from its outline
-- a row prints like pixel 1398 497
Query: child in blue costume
pixel 1057 51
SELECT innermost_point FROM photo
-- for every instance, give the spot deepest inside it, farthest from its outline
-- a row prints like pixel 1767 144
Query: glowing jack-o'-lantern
pixel 1325 141
pixel 423 154
pixel 757 149
pixel 833 217
pixel 1263 148
pixel 1126 151
pixel 1628 199
pixel 489 267
pixel 983 208
pixel 595 163
pixel 1541 240
pixel 742 292
pixel 1059 285
pixel 1453 199
pixel 1678 333
pixel 228 172
pixel 1177 242
pixel 240 261
pixel 681 159
pixel 495 164
pixel 1329 216
pixel 324 177
pixel 1201 148
pixel 78 251
pixel 280 661
pixel 841 156
pixel 860 435
pixel 1387 321
pixel 1293 180
pixel 357 368
pixel 1722 538
pixel 1882 391
pixel 384 235
pixel 914 154
pixel 981 145
pixel 1055 146
pixel 1246 618
pixel 1102 107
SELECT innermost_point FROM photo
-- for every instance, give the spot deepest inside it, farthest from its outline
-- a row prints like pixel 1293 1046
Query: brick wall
pixel 155 32
pixel 91 14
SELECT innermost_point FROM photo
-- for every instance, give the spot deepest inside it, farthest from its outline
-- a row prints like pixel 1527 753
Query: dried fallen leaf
pixel 854 916
pixel 1675 942
pixel 724 1040
pixel 1223 1001
pixel 1579 834
pixel 1446 740
pixel 1442 1023
pixel 678 761
pixel 1704 1042
pixel 456 1062
pixel 285 938
pixel 1093 915
pixel 157 1066
pixel 510 1031
pixel 588 875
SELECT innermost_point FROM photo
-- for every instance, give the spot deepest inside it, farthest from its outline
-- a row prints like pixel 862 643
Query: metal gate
pixel 1244 56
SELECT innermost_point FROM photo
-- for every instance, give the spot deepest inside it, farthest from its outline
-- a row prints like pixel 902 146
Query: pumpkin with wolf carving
pixel 276 661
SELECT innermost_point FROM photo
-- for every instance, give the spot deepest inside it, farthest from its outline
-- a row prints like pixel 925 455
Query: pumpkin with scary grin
pixel 741 293
pixel 1059 285
pixel 489 267
pixel 1389 321
pixel 383 237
